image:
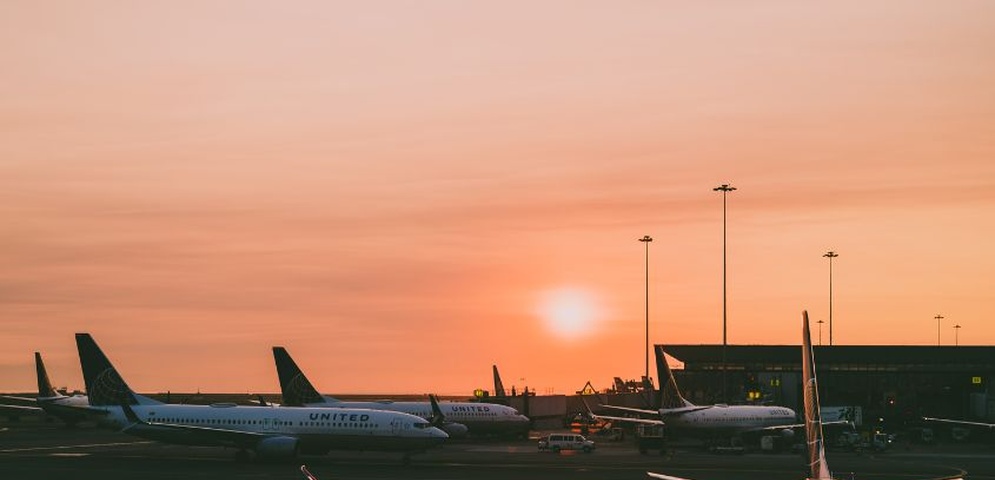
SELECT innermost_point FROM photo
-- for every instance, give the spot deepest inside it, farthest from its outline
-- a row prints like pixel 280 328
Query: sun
pixel 569 312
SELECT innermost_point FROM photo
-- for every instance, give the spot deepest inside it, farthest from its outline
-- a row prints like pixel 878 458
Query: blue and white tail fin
pixel 670 395
pixel 294 385
pixel 45 389
pixel 819 470
pixel 104 385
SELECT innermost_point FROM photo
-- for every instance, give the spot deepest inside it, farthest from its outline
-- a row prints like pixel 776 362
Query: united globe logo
pixel 109 389
pixel 301 391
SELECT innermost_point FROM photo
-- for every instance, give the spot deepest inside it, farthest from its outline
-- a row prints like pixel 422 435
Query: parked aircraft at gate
pixel 268 431
pixel 71 409
pixel 712 422
pixel 462 417
pixel 818 468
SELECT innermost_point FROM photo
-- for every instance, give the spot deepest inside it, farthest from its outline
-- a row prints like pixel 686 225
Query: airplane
pixel 818 468
pixel 71 409
pixel 461 418
pixel 269 432
pixel 711 422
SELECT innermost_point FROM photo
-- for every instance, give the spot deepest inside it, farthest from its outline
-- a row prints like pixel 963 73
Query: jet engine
pixel 277 448
pixel 788 433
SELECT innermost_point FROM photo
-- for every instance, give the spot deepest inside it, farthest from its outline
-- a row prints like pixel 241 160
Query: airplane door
pixel 270 424
pixel 395 426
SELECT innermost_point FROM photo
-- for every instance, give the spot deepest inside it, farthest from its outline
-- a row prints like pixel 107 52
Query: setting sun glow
pixel 569 312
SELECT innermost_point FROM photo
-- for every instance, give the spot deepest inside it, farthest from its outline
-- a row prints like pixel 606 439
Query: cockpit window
pixel 422 425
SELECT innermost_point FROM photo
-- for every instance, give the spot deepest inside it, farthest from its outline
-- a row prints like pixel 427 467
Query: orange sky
pixel 390 189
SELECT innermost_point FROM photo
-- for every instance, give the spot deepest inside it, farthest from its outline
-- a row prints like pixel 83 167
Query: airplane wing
pixel 641 411
pixel 960 422
pixel 683 410
pixel 662 411
pixel 664 477
pixel 20 408
pixel 645 421
pixel 777 428
pixel 20 399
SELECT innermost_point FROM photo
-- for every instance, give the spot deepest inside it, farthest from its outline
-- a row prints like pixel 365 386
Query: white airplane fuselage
pixel 316 429
pixel 479 418
pixel 729 419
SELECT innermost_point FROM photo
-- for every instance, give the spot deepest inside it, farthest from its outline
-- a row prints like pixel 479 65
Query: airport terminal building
pixel 893 385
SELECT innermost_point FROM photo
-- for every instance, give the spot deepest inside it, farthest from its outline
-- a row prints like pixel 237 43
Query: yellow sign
pixel 478 393
pixel 976 380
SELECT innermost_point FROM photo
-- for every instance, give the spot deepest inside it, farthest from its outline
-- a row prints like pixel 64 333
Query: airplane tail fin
pixel 295 387
pixel 104 385
pixel 498 385
pixel 670 395
pixel 45 389
pixel 438 419
pixel 813 420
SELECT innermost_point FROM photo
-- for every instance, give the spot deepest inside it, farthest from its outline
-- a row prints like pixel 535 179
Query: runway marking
pixel 66 447
pixel 68 454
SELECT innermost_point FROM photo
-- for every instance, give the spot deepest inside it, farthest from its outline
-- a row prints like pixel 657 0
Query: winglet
pixel 295 387
pixel 307 473
pixel 45 389
pixel 590 413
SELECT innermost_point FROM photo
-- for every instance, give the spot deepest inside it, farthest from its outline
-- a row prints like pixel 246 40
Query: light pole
pixel 956 332
pixel 831 255
pixel 820 322
pixel 938 317
pixel 646 241
pixel 724 188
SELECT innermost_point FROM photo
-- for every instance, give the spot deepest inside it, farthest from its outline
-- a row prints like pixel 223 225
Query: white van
pixel 555 442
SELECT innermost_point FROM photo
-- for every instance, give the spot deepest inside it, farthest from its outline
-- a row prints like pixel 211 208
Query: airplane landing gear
pixel 243 456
